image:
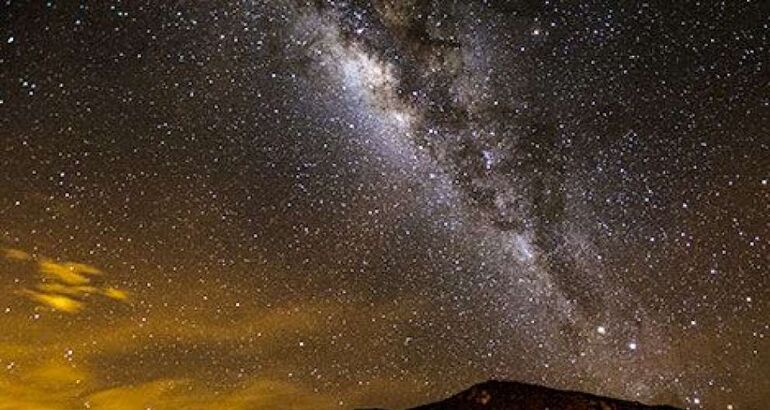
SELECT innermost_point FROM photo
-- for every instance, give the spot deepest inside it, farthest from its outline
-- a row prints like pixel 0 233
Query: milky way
pixel 331 204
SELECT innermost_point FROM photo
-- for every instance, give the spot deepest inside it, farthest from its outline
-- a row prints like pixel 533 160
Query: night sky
pixel 331 204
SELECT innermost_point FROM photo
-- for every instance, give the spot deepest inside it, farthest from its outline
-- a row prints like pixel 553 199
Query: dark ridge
pixel 509 395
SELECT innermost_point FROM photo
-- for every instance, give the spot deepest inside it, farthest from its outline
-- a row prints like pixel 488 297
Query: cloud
pixel 59 386
pixel 61 303
pixel 69 273
pixel 50 386
pixel 17 254
pixel 64 285
pixel 193 354
pixel 262 393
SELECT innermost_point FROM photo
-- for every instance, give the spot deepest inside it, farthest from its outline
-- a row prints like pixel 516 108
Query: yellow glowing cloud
pixel 65 284
pixel 171 394
pixel 63 272
pixel 51 385
pixel 17 254
pixel 58 302
pixel 83 268
pixel 60 364
pixel 114 293
pixel 67 290
pixel 148 395
pixel 54 385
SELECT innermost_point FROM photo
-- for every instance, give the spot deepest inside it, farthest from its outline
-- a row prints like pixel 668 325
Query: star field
pixel 339 204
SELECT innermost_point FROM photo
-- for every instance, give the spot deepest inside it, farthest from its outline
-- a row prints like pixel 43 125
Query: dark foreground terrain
pixel 508 395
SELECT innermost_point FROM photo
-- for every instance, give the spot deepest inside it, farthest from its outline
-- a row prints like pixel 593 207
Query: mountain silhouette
pixel 510 395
